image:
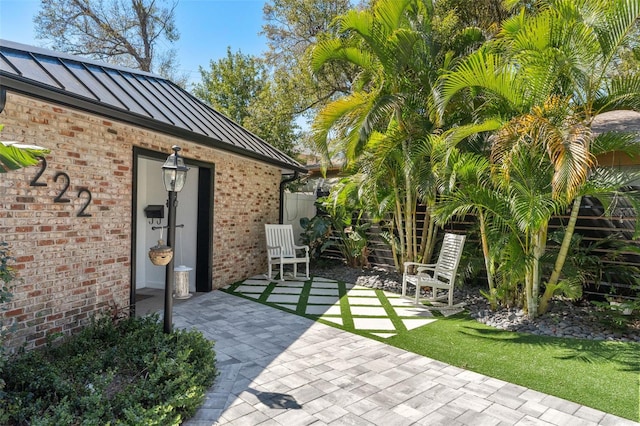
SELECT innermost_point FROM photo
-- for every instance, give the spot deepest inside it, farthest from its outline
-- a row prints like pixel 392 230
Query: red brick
pixel 14 312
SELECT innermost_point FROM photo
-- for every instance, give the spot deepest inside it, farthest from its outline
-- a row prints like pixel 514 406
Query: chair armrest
pixel 446 270
pixel 420 266
pixel 305 248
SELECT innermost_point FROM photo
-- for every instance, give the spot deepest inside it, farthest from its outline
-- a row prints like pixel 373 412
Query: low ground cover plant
pixel 128 372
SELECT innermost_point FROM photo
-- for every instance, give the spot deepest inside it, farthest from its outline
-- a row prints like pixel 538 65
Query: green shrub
pixel 128 373
pixel 6 276
pixel 315 234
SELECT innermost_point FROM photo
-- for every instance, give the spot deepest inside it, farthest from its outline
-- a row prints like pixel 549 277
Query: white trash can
pixel 182 282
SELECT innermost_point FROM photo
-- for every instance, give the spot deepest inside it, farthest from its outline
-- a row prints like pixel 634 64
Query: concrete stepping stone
pixel 412 323
pixel 384 335
pixel 373 324
pixel 368 311
pixel 323 310
pixel 286 306
pixel 324 291
pixel 257 280
pixel 361 291
pixel 283 298
pixel 413 312
pixel 290 290
pixel 287 283
pixel 400 301
pixel 331 285
pixel 322 279
pixel 364 301
pixel 252 295
pixel 335 320
pixel 250 289
pixel 323 300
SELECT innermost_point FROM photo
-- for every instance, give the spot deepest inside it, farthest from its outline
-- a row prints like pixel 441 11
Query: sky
pixel 206 28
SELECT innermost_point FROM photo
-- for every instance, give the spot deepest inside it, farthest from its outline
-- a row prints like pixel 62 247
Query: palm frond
pixel 360 21
pixel 485 71
pixel 14 156
pixel 615 24
pixel 626 143
pixel 390 13
pixel 338 117
pixel 335 49
pixel 571 157
pixel 619 92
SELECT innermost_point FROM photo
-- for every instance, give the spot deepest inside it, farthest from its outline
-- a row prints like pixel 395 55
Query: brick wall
pixel 70 268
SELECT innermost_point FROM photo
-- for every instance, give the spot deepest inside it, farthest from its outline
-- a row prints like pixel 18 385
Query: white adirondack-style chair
pixel 440 275
pixel 282 249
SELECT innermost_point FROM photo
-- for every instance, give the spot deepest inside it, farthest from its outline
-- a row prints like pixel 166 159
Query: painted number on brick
pixel 65 187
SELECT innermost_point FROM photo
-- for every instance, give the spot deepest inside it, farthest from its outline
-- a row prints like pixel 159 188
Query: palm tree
pixel 466 190
pixel 381 125
pixel 551 72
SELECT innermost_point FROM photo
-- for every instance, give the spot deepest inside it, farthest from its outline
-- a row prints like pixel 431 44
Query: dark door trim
pixel 204 243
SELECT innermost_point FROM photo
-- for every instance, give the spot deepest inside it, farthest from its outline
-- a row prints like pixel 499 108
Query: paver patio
pixel 277 368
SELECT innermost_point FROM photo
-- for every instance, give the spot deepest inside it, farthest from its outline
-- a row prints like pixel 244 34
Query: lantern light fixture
pixel 174 172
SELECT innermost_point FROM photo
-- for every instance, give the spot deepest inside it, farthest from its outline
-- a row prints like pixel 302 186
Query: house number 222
pixel 60 198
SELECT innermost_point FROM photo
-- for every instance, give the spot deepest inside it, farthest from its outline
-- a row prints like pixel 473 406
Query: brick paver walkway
pixel 277 368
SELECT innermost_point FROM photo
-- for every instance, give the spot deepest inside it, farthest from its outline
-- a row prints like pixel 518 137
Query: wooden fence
pixel 592 225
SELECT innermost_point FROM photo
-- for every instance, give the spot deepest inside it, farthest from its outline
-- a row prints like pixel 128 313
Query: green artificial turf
pixel 603 375
pixel 598 374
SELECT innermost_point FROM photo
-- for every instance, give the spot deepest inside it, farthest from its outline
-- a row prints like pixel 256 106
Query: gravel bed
pixel 564 319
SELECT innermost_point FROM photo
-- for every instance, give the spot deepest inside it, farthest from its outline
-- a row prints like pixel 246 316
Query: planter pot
pixel 160 254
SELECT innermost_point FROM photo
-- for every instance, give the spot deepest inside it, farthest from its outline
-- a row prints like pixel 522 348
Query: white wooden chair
pixel 441 275
pixel 282 249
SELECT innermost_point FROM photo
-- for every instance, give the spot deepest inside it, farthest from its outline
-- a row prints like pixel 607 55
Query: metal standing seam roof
pixel 129 95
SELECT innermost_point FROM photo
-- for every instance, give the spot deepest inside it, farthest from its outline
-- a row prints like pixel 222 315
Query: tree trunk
pixel 408 220
pixel 538 241
pixel 399 227
pixel 487 259
pixel 431 240
pixel 424 237
pixel 394 252
pixel 566 242
pixel 561 258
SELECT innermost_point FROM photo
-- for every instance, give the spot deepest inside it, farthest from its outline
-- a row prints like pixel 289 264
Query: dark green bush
pixel 6 276
pixel 128 373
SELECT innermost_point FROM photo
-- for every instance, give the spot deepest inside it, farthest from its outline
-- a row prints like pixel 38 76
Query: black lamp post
pixel 174 175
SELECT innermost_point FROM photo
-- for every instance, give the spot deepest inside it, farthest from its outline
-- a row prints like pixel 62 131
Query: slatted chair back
pixel 449 258
pixel 280 236
pixel 282 249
